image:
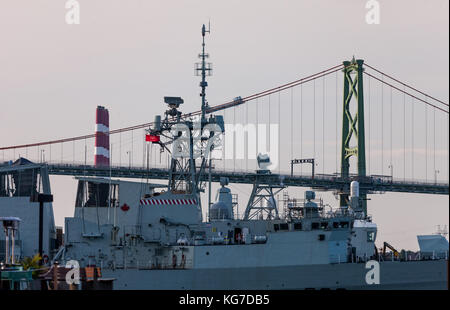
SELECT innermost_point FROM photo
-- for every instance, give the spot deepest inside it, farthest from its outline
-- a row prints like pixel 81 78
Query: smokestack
pixel 101 137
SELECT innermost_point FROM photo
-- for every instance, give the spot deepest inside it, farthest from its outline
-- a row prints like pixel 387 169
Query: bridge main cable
pixel 210 110
pixel 276 89
pixel 405 92
pixel 406 85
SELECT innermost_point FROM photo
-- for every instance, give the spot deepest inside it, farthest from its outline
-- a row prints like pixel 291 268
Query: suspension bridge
pixel 352 121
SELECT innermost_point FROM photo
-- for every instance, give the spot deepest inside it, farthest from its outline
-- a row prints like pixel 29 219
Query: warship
pixel 153 236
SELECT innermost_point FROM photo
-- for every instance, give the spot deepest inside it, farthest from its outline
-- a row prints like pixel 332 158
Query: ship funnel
pixel 101 137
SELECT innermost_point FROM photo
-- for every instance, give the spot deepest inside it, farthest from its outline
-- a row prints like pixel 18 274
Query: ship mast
pixel 190 139
pixel 204 69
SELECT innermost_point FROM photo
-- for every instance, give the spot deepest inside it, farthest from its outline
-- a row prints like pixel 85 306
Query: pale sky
pixel 127 55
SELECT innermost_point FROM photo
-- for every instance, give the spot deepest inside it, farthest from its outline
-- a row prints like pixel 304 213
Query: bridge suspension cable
pixel 406 85
pixel 210 110
pixel 308 121
pixel 407 93
pixel 268 92
pixel 422 127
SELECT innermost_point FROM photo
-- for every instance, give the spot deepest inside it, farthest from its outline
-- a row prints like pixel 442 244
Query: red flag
pixel 152 138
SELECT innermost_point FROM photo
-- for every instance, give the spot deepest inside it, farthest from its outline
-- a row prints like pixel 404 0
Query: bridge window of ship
pixel 314 225
pixel 323 225
pixel 95 193
pixel 276 227
pixel 297 226
pixel 335 224
pixel 284 226
pixel 370 236
pixel 20 183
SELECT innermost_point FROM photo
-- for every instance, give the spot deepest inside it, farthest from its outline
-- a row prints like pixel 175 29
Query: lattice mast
pixel 187 136
pixel 204 69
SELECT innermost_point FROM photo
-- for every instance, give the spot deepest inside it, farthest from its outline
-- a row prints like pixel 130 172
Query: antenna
pixel 203 69
pixel 204 31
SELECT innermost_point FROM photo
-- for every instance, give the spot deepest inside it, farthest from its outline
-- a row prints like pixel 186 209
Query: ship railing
pixel 338 213
pixel 433 255
pixel 406 256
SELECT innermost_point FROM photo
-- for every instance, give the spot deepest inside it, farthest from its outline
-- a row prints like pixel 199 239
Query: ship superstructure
pixel 19 182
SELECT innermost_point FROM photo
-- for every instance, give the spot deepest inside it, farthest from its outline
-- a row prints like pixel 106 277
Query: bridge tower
pixel 353 127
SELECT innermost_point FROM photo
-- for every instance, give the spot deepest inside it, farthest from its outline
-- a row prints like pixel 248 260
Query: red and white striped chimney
pixel 101 137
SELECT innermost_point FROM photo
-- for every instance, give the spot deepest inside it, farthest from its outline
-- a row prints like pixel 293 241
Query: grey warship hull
pixel 413 275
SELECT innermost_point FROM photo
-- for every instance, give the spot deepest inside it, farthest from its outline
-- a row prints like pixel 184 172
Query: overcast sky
pixel 127 55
